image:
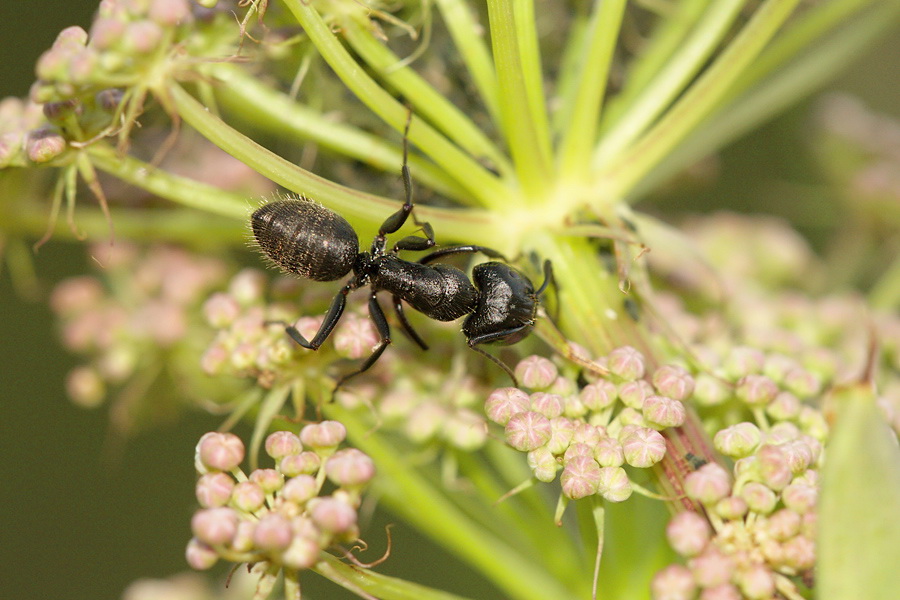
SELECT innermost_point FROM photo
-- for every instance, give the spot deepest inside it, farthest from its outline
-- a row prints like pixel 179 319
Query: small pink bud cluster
pixel 277 515
pixel 762 518
pixel 146 307
pixel 588 435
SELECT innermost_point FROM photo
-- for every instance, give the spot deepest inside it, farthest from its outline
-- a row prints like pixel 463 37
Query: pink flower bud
pixel 214 526
pixel 608 452
pixel 465 430
pixel 633 393
pixel 269 480
pixel 85 387
pixel 169 12
pixel 586 433
pixel 527 431
pixel 773 467
pixel 785 406
pixel 303 553
pixel 803 383
pixel 732 508
pixel 248 496
pixel 542 464
pixel 598 395
pixel 577 449
pixel 273 533
pixel 142 36
pixel 200 556
pixel 626 363
pixel 300 489
pixel 708 484
pixel 580 477
pixel 562 431
pixel 756 390
pixel 349 468
pixel 738 440
pixel 673 381
pixel 220 451
pixel 675 582
pixel 327 434
pixel 712 568
pixel 759 498
pixel 783 524
pixel 800 553
pixel 43 145
pixel 333 516
pixel 305 463
pixel 282 443
pixel 661 412
pixel 756 582
pixel 688 533
pixel 355 337
pixel 614 484
pixel 549 405
pixel 536 372
pixel 503 403
pixel 221 310
pixel 214 489
pixel 643 447
pixel 800 497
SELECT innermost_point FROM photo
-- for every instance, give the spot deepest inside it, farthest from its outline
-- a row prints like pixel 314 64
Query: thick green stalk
pixel 625 170
pixel 268 109
pixel 481 184
pixel 358 207
pixel 427 101
pixel 670 81
pixel 592 68
pixel 423 505
pixel 463 28
pixel 528 141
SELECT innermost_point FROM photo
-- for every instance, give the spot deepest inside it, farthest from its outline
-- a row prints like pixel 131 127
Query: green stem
pixel 358 207
pixel 463 27
pixel 421 504
pixel 381 586
pixel 427 101
pixel 266 108
pixel 180 190
pixel 787 86
pixel 697 103
pixel 670 81
pixel 522 107
pixel 480 183
pixel 580 134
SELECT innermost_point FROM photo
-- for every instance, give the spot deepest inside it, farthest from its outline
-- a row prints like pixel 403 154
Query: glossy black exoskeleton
pixel 306 239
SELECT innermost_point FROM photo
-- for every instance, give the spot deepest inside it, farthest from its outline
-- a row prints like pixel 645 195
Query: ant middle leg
pixel 406 325
pixel 384 332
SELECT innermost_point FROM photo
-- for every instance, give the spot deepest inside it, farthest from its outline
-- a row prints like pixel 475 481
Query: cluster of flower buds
pixel 760 529
pixel 277 516
pixel 93 84
pixel 251 339
pixel 590 434
pixel 144 312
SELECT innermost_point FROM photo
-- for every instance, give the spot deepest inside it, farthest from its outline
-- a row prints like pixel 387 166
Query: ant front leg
pixel 384 332
pixel 331 319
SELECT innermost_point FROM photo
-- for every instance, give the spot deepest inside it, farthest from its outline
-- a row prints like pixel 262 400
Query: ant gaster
pixel 304 238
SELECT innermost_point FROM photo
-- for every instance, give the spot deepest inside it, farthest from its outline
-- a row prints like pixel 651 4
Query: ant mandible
pixel 304 238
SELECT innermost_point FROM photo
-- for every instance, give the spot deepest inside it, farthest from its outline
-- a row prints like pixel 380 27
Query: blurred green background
pixel 82 513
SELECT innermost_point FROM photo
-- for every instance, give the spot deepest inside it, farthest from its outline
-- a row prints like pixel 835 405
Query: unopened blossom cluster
pixel 250 316
pixel 277 517
pixel 141 311
pixel 93 83
pixel 588 435
pixel 757 534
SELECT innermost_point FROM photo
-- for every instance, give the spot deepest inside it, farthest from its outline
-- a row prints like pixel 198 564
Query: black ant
pixel 304 238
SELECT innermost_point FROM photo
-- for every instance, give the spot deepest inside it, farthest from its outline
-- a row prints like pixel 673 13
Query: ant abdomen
pixel 304 238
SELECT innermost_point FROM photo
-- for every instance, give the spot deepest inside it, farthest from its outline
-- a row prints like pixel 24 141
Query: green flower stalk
pixel 658 386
